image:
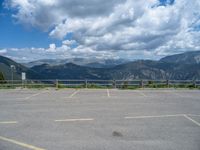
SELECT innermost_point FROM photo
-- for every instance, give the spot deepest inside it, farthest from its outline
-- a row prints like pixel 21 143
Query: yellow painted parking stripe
pixel 20 143
pixel 8 122
pixel 29 97
pixel 108 93
pixel 73 94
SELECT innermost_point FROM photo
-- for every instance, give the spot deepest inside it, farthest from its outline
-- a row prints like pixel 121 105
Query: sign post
pixel 12 67
pixel 23 79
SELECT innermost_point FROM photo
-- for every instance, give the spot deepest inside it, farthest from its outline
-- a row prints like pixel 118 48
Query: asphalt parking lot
pixel 105 119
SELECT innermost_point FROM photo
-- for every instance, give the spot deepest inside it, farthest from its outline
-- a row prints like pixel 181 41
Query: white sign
pixel 23 76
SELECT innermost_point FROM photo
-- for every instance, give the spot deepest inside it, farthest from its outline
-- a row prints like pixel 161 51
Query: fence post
pixel 194 83
pixel 114 84
pixel 167 83
pixel 86 84
pixel 25 83
pixel 141 84
pixel 56 83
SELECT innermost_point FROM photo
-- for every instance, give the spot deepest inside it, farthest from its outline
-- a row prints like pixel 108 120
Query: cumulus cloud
pixel 114 27
pixel 3 51
pixel 69 42
pixel 64 51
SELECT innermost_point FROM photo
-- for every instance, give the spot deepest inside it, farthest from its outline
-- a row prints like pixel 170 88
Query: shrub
pixel 125 85
pixel 150 82
pixel 1 76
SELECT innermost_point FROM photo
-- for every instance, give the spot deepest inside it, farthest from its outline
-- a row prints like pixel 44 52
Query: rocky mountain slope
pixel 184 66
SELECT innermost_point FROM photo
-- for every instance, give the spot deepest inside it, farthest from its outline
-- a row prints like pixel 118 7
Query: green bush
pixel 63 86
pixel 1 76
pixel 125 85
pixel 150 82
pixel 94 86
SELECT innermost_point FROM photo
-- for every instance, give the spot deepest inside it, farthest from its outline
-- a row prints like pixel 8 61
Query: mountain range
pixel 5 69
pixel 87 62
pixel 184 58
pixel 185 66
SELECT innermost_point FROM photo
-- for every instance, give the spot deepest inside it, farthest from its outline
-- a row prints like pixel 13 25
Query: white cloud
pixel 116 27
pixel 65 51
pixel 52 48
pixel 3 51
pixel 69 42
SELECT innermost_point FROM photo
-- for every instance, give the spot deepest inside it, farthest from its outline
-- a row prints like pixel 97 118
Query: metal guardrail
pixel 100 83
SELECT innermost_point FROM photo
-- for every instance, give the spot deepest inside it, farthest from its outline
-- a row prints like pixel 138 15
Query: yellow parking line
pixel 29 97
pixel 108 93
pixel 8 122
pixel 20 143
pixel 73 94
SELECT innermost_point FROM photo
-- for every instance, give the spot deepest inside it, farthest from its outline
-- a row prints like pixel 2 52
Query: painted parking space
pixel 99 118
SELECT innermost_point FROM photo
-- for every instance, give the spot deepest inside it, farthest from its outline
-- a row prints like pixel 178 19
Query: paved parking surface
pixel 105 119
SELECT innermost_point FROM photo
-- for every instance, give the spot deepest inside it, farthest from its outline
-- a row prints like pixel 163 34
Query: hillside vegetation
pixel 184 66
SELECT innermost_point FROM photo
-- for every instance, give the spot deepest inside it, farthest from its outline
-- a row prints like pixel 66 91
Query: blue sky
pixel 167 2
pixel 19 36
pixel 128 29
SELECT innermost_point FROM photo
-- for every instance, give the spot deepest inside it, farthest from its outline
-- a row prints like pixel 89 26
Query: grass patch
pixel 123 85
pixel 90 86
pixel 37 86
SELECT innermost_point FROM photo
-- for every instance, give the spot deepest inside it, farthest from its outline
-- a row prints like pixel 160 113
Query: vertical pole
pixel 114 84
pixel 194 83
pixel 167 83
pixel 12 78
pixel 142 84
pixel 11 68
pixel 56 83
pixel 86 84
pixel 25 82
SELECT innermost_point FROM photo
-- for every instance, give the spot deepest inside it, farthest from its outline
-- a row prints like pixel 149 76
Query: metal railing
pixel 124 84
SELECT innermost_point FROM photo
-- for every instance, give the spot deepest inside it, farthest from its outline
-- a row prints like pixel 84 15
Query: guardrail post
pixel 86 84
pixel 194 83
pixel 56 83
pixel 141 84
pixel 167 82
pixel 23 84
pixel 114 84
